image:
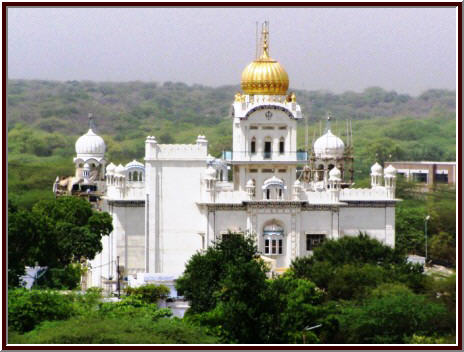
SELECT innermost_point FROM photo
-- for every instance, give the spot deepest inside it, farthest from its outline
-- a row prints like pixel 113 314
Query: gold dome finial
pixel 265 41
pixel 265 76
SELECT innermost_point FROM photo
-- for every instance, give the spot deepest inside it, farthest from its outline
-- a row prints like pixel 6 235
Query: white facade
pixel 181 199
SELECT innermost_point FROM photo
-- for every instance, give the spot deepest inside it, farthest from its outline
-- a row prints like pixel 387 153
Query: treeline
pixel 128 110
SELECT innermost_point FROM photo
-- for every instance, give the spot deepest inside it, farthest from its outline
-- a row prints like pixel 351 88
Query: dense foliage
pixel 27 308
pixel 51 317
pixel 148 293
pixel 354 290
pixel 54 234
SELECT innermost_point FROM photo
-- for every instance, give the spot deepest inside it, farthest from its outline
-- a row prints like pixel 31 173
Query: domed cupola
pixel 329 146
pixel 265 76
pixel 90 145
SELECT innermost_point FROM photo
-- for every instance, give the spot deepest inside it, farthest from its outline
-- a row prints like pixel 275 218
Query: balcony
pixel 264 157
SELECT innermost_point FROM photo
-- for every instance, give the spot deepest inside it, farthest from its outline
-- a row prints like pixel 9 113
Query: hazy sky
pixel 339 49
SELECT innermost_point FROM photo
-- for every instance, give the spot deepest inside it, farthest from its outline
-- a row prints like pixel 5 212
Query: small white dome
pixel 134 164
pixel 90 144
pixel 329 146
pixel 376 169
pixel 250 183
pixel 390 171
pixel 335 175
pixel 110 168
pixel 273 182
pixel 119 170
pixel 297 183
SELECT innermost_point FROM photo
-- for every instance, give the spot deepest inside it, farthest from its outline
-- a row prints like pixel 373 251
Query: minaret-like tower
pixel 265 119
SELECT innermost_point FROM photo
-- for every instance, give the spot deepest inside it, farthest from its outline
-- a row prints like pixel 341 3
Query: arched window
pixel 130 176
pixel 136 176
pixel 141 176
pixel 273 235
pixel 282 145
pixel 253 146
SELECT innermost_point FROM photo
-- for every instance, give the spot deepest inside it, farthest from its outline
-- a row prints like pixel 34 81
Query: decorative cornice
pixel 269 107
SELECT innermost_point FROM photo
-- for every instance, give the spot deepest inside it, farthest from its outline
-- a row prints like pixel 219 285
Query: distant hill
pixel 126 110
pixel 45 118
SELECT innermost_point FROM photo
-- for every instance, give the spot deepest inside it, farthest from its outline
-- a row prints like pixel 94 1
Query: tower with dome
pixel 179 199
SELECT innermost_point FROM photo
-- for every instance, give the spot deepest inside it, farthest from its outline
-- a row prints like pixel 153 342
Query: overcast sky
pixel 338 49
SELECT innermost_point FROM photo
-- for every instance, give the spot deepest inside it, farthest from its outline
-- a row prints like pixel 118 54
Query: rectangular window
pixel 280 246
pixel 267 150
pixel 274 246
pixel 268 128
pixel 282 170
pixel 253 170
pixel 420 177
pixel 268 194
pixel 282 127
pixel 441 178
pixel 266 246
pixel 253 147
pixel 253 127
pixel 267 170
pixel 281 147
pixel 313 241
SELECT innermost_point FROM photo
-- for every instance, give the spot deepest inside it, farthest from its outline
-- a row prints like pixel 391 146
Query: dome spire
pixel 91 122
pixel 327 125
pixel 264 76
pixel 265 41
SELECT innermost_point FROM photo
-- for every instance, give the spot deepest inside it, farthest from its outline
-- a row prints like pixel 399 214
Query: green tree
pixel 391 315
pixel 292 304
pixel 442 248
pixel 55 233
pixel 205 270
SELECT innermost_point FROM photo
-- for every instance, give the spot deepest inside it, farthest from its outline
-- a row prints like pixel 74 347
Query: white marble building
pixel 181 199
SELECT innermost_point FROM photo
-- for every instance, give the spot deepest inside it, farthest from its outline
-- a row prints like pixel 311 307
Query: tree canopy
pixel 54 233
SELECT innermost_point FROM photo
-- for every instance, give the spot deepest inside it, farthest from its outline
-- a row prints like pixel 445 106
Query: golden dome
pixel 265 76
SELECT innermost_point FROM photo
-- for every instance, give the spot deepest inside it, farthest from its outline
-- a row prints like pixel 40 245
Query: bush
pixel 390 315
pixel 27 308
pixel 149 293
pixel 114 330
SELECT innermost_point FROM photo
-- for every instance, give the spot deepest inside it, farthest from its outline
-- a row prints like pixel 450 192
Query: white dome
pixel 90 144
pixel 273 182
pixel 376 170
pixel 297 183
pixel 329 146
pixel 390 171
pixel 119 170
pixel 110 168
pixel 335 175
pixel 134 164
pixel 250 183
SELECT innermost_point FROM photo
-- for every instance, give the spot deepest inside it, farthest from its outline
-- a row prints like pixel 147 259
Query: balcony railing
pixel 229 155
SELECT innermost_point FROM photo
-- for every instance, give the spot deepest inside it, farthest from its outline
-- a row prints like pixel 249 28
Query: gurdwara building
pixel 180 199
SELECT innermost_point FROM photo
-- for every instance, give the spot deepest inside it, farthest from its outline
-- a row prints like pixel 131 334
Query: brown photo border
pixel 6 5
